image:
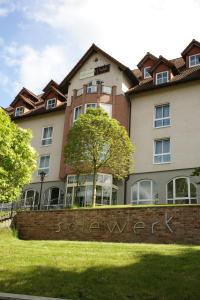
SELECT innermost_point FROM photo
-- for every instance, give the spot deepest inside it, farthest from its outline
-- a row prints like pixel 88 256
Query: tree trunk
pixel 94 192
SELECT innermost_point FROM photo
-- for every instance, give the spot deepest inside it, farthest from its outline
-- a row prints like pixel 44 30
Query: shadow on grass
pixel 152 277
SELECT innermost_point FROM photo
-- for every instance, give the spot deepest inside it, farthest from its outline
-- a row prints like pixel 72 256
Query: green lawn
pixel 86 271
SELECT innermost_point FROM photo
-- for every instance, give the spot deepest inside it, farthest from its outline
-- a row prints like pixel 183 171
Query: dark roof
pixel 39 111
pixel 191 44
pixel 49 84
pixel 33 96
pixel 147 56
pixel 90 51
pixel 163 60
pixel 187 75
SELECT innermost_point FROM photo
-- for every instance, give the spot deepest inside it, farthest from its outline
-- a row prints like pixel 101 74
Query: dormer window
pixel 146 72
pixel 162 77
pixel 19 111
pixel 194 60
pixel 51 103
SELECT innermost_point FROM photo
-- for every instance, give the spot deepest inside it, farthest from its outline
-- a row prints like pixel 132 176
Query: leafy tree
pixel 17 158
pixel 97 141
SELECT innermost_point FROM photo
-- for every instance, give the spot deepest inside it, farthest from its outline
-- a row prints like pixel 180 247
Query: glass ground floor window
pixel 79 190
pixel 53 197
pixel 181 191
pixel 142 192
pixel 30 198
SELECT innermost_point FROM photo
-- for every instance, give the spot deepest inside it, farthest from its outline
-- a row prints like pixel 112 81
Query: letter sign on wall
pixel 102 69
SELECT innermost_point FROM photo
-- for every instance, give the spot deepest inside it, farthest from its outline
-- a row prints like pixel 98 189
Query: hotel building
pixel 159 105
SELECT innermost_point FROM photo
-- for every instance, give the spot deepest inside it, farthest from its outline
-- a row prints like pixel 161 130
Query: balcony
pixel 93 89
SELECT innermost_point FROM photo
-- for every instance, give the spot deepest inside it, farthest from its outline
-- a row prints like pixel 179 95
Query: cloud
pixel 127 29
pixel 35 68
pixel 6 7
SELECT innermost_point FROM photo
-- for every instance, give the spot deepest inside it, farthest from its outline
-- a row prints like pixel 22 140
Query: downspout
pixel 129 131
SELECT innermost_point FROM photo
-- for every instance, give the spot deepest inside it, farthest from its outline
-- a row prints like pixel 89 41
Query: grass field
pixel 87 271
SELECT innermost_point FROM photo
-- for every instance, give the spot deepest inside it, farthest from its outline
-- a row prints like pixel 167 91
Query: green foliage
pixel 17 158
pixel 97 141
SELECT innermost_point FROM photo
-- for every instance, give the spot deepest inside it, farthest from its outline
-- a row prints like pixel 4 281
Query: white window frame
pixel 91 88
pixel 42 139
pixel 85 106
pixel 138 201
pixel 25 198
pixel 198 54
pixel 18 111
pixel 167 153
pixel 74 112
pixel 43 169
pixel 163 118
pixel 88 183
pixel 49 190
pixel 162 73
pixel 174 199
pixel 145 70
pixel 47 106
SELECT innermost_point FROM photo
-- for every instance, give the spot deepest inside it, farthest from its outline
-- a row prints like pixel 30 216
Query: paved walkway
pixel 6 296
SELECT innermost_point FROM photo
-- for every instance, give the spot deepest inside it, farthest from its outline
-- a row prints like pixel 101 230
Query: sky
pixel 43 39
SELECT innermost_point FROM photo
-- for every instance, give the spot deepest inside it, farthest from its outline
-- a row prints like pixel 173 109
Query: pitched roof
pixel 191 44
pixel 168 63
pixel 35 97
pixel 49 84
pixel 39 111
pixel 90 51
pixel 147 56
pixel 186 75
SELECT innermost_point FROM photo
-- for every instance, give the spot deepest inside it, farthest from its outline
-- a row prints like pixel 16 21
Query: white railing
pixel 106 89
pixel 79 92
pixel 91 89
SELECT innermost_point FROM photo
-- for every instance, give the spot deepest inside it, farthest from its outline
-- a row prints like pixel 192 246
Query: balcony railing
pixel 79 92
pixel 91 89
pixel 106 89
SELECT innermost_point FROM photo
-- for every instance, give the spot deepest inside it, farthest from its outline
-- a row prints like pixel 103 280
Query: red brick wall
pixel 149 225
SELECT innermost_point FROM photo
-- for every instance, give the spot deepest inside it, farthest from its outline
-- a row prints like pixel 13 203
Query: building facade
pixel 158 104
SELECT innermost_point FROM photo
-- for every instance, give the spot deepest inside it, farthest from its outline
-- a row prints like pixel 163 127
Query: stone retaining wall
pixel 175 224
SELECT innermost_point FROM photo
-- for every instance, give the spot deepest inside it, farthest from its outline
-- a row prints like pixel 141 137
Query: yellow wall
pixel 184 131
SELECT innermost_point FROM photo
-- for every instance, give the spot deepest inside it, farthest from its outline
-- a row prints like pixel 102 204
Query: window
pixel 162 77
pixel 181 191
pixel 51 103
pixel 142 192
pixel 79 190
pixel 53 197
pixel 77 112
pixel 30 198
pixel 91 88
pixel 19 111
pixel 162 151
pixel 146 72
pixel 107 108
pixel 162 116
pixel 194 60
pixel 99 81
pixel 90 105
pixel 44 164
pixel 47 136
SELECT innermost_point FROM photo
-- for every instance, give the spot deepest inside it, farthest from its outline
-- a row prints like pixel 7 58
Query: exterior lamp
pixel 42 176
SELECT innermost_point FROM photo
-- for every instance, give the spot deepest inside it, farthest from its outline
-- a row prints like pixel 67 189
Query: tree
pixel 97 141
pixel 17 158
